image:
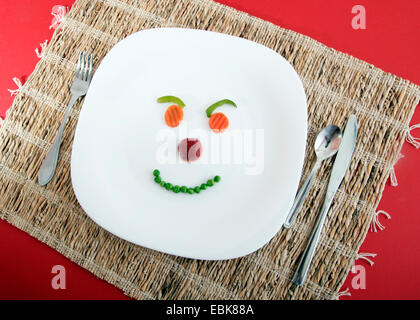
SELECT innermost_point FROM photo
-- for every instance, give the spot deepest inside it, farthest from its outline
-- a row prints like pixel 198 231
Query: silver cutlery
pixel 79 88
pixel 326 145
pixel 341 164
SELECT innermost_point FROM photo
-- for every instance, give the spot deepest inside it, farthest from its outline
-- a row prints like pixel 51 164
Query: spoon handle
pixel 301 196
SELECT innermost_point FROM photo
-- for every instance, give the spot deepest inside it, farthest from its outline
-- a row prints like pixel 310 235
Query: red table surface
pixel 390 41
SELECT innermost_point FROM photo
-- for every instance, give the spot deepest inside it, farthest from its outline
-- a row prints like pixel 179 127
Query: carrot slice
pixel 173 116
pixel 218 122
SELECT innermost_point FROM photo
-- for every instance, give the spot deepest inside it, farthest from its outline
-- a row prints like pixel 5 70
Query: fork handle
pixel 49 165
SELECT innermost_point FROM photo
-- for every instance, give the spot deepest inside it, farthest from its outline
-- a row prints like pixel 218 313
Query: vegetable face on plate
pixel 190 148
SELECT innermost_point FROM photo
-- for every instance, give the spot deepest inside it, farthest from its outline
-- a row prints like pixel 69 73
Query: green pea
pixel 158 179
pixel 184 189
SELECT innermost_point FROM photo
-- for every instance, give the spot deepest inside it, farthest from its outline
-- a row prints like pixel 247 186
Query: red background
pixel 391 42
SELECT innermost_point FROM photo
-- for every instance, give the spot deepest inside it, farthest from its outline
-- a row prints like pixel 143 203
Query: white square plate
pixel 121 135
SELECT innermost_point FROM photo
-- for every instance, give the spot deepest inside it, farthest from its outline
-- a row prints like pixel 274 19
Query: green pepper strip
pixel 171 99
pixel 220 103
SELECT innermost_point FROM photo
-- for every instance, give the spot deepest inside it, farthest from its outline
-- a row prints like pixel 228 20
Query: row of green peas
pixel 184 189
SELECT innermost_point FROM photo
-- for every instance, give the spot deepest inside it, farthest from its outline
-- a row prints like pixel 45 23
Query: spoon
pixel 326 145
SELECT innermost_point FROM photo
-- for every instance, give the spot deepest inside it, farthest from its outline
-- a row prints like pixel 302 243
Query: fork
pixel 79 88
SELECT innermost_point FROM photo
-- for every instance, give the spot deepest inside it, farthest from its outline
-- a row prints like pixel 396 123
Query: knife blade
pixel 344 155
pixel 341 164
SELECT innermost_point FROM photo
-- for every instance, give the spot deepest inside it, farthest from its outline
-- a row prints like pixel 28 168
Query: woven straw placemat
pixel 336 85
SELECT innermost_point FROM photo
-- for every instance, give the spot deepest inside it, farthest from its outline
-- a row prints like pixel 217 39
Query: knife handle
pixel 308 254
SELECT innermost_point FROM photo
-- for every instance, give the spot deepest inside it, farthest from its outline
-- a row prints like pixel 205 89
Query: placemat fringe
pixel 392 175
pixel 365 256
pixel 412 140
pixel 59 13
pixel 376 224
pixel 342 294
pixel 40 53
pixel 15 92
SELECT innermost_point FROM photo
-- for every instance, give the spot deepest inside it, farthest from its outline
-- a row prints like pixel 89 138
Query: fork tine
pixel 90 71
pixel 79 66
pixel 82 66
pixel 86 70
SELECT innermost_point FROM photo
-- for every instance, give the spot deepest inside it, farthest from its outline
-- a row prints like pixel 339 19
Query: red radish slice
pixel 190 149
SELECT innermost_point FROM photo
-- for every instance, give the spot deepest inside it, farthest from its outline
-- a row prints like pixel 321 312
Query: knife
pixel 341 164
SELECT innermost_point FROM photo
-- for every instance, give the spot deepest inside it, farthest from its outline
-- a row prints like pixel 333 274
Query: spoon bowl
pixel 327 142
